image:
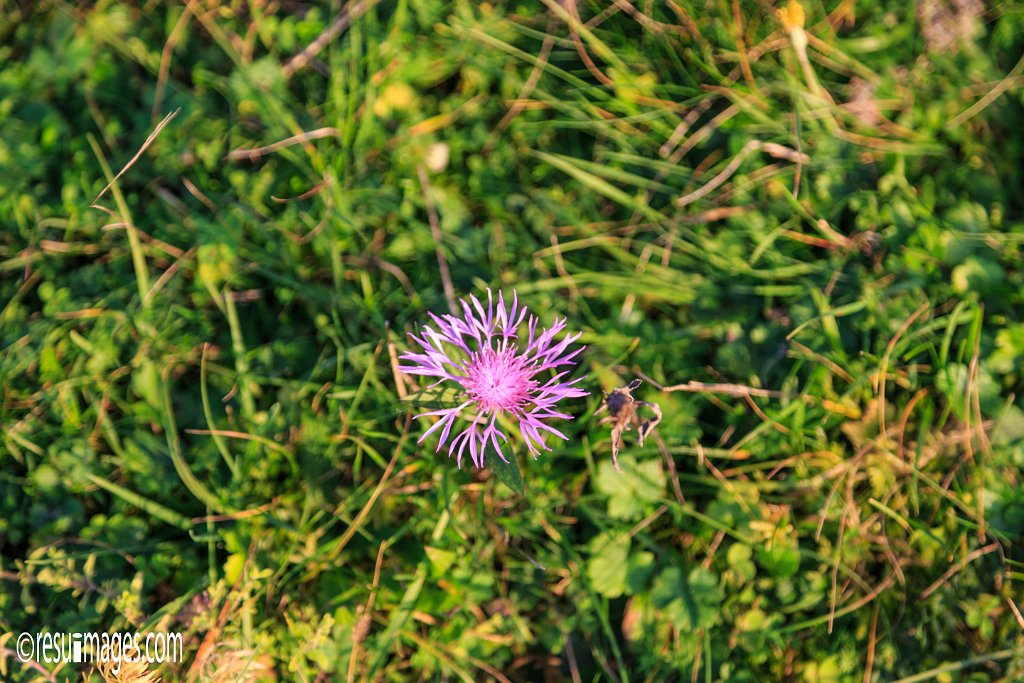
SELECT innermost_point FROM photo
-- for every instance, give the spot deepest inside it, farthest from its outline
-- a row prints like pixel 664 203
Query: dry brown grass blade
pixel 198 194
pixel 7 653
pixel 670 462
pixel 570 653
pixel 949 573
pixel 145 145
pixel 256 153
pixel 165 56
pixel 734 390
pixel 673 153
pixel 650 24
pixel 241 514
pixel 435 231
pixel 1016 613
pixel 396 373
pixel 166 276
pixel 311 192
pixel 581 50
pixel 362 628
pixel 686 22
pixel 869 665
pixel 365 512
pixel 352 12
pixel 376 262
pixel 210 640
pixel 905 419
pixel 883 371
pixel 741 47
pixel 524 95
pixel 775 150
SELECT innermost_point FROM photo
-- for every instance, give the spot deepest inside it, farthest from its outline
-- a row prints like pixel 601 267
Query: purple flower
pixel 496 373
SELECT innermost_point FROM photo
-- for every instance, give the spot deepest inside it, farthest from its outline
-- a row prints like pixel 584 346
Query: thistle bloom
pixel 497 373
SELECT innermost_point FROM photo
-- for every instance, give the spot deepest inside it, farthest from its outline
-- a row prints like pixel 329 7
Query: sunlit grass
pixel 802 232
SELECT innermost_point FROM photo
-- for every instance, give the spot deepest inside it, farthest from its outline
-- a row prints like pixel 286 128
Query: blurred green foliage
pixel 202 429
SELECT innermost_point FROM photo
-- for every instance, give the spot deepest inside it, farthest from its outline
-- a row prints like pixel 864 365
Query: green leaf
pixel 739 558
pixel 629 489
pixel 639 570
pixel 977 275
pixel 608 566
pixel 441 560
pixel 667 594
pixel 233 567
pixel 434 397
pixel 706 593
pixel 1009 427
pixel 691 602
pixel 781 558
pixel 508 473
pixel 827 671
pixel 753 620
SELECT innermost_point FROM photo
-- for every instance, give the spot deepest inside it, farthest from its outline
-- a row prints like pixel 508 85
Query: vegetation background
pixel 202 428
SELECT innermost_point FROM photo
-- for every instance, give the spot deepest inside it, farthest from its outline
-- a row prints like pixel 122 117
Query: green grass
pixel 201 424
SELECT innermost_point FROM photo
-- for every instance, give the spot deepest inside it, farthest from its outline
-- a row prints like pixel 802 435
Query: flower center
pixel 498 379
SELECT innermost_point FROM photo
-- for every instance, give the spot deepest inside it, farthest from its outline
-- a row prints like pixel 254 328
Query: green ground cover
pixel 816 211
